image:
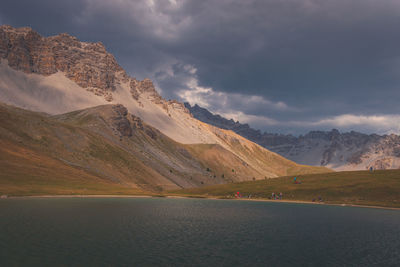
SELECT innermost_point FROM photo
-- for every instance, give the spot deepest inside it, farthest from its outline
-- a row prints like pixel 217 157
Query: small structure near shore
pixel 3 196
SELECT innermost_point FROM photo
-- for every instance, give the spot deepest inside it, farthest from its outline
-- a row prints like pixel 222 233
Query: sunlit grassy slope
pixel 104 150
pixel 381 188
pixel 25 172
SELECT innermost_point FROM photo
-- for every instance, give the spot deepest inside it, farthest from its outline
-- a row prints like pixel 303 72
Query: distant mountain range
pixel 339 151
pixel 82 110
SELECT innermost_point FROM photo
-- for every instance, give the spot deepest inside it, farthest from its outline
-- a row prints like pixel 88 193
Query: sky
pixel 284 66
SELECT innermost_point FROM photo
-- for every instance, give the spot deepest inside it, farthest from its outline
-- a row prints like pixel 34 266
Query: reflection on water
pixel 142 232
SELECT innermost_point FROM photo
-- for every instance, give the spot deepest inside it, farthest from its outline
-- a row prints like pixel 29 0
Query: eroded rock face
pixel 382 164
pixel 145 86
pixel 137 123
pixel 87 64
pixel 125 125
pixel 120 121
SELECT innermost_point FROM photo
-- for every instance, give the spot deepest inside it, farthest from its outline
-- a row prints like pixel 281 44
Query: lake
pixel 193 232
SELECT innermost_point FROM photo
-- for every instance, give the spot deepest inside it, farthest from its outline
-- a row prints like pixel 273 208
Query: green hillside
pixel 106 150
pixel 381 188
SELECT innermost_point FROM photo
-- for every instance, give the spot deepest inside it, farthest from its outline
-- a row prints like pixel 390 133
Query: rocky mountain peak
pixel 87 64
pixel 21 30
pixel 65 37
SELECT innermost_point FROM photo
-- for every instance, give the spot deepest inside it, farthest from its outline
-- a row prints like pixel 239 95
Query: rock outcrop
pixel 87 64
pixel 120 121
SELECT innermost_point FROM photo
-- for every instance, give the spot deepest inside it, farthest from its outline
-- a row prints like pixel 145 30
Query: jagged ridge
pixel 341 151
pixel 87 64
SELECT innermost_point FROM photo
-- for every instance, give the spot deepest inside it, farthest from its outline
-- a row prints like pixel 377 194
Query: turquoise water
pixel 193 232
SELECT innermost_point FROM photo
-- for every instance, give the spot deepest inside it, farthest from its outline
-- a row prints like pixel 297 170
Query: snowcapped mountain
pixel 339 151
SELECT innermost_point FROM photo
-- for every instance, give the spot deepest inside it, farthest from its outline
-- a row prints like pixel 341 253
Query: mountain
pixel 339 151
pixel 107 146
pixel 59 74
pixel 126 132
pixel 108 143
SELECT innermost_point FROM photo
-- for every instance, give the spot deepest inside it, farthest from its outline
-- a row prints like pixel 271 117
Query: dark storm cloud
pixel 273 63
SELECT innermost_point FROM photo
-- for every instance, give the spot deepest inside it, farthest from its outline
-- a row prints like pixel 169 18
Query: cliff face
pixel 340 151
pixel 87 64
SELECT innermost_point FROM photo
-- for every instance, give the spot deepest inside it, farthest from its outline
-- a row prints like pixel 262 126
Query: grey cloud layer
pixel 319 58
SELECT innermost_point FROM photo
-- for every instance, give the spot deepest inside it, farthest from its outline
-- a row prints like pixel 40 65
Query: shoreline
pixel 205 197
